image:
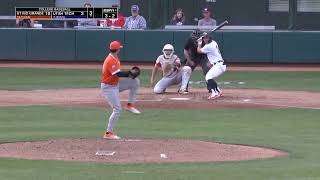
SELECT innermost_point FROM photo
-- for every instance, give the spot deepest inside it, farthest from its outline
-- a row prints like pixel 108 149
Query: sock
pixel 212 84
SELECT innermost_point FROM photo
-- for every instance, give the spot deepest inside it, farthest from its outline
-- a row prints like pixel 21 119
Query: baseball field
pixel 266 126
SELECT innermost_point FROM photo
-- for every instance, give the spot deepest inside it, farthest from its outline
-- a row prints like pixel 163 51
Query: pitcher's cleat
pixel 110 136
pixel 132 109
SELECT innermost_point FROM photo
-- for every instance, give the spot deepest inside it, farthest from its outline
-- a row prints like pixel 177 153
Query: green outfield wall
pixel 145 46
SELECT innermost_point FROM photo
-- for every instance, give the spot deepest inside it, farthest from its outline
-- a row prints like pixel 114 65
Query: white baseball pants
pixel 216 70
pixel 182 77
pixel 111 94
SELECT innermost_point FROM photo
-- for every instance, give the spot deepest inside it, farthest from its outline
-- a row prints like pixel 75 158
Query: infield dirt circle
pixel 134 151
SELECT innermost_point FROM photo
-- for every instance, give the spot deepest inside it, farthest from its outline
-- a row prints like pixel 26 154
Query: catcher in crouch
pixel 172 72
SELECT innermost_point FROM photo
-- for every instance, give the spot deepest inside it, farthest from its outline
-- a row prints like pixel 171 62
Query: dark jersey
pixel 191 46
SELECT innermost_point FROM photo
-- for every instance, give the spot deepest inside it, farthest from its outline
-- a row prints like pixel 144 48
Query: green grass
pixel 28 78
pixel 294 130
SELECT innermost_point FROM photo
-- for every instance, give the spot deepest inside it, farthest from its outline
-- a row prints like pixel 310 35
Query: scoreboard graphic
pixel 65 13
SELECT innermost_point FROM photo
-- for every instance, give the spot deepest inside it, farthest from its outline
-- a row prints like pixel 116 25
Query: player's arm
pixel 177 63
pixel 186 54
pixel 199 49
pixel 114 69
pixel 122 74
pixel 154 72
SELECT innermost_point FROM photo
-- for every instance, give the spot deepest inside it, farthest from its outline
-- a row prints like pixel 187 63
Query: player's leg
pixel 205 66
pixel 133 86
pixel 213 73
pixel 185 77
pixel 162 85
pixel 193 67
pixel 111 94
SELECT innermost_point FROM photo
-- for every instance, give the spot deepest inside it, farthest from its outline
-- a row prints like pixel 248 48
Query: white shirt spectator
pixel 207 22
pixel 137 22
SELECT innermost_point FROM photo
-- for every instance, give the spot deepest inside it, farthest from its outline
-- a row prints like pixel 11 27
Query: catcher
pixel 111 85
pixel 172 73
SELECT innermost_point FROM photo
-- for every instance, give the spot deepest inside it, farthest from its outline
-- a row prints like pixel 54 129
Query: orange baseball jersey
pixel 111 66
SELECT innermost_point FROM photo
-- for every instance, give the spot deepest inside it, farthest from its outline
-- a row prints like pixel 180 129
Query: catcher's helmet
pixel 168 50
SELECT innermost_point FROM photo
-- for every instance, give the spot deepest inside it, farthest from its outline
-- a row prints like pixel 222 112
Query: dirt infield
pixel 233 98
pixel 135 151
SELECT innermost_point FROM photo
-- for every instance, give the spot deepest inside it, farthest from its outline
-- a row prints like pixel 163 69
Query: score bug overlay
pixel 62 12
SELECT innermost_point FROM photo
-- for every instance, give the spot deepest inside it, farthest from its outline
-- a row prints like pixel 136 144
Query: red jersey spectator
pixel 118 23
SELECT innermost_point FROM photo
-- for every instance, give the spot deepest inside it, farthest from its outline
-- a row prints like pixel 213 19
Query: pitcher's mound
pixel 134 151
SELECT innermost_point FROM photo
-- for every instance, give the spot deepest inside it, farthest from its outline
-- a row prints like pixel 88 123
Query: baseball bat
pixel 217 27
pixel 220 26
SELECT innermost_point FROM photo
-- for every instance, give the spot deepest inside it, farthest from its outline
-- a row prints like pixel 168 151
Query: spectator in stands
pixel 207 20
pixel 135 21
pixel 116 23
pixel 24 23
pixel 87 22
pixel 178 18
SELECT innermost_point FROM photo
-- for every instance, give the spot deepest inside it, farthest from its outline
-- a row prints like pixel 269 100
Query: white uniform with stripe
pixel 214 56
pixel 171 75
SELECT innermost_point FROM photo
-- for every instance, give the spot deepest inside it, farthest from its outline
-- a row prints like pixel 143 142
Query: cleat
pixel 183 91
pixel 110 136
pixel 132 109
pixel 213 96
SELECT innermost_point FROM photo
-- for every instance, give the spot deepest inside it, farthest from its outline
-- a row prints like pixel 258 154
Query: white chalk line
pixel 220 83
pixel 144 100
pixel 281 105
pixel 179 99
pixel 133 172
pixel 105 153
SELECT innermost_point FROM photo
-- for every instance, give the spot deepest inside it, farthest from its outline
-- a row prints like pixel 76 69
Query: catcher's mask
pixel 196 34
pixel 168 51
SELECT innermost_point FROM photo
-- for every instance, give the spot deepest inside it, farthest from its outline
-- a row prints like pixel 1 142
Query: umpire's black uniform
pixel 198 59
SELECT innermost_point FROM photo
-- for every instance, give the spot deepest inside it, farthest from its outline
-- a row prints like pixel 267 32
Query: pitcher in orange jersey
pixel 113 81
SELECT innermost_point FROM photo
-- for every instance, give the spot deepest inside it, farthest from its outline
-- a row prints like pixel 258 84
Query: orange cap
pixel 114 45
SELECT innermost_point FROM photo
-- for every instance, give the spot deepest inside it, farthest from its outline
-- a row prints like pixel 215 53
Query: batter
pixel 218 66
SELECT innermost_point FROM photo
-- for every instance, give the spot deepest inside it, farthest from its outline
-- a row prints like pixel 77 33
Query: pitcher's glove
pixel 134 72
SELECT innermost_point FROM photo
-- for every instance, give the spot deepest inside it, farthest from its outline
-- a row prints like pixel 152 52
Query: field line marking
pixel 133 172
pixel 282 105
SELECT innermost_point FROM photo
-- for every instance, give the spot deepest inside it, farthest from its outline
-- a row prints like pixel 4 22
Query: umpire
pixel 192 55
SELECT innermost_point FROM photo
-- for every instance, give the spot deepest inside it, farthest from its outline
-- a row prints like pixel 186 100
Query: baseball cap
pixel 134 8
pixel 114 45
pixel 205 10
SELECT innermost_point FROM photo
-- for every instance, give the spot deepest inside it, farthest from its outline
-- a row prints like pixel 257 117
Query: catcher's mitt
pixel 134 72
